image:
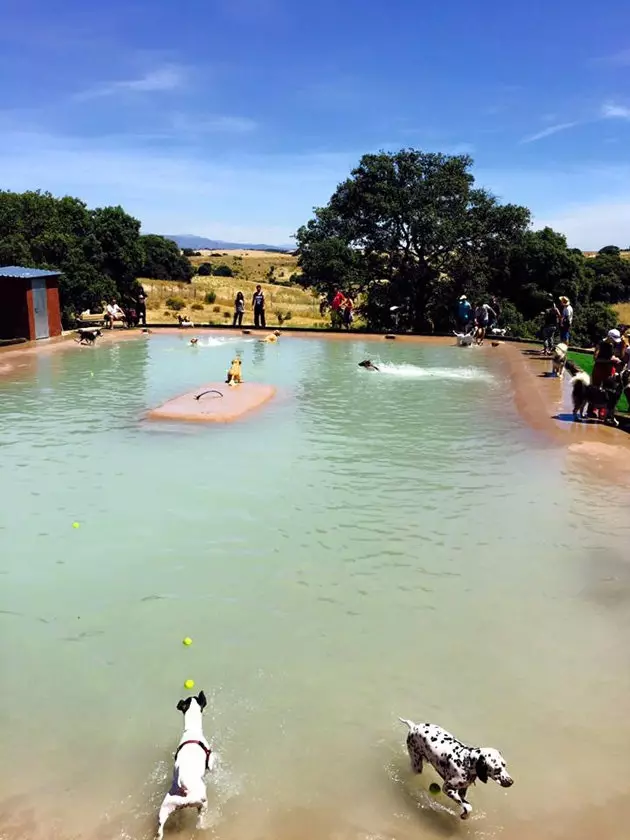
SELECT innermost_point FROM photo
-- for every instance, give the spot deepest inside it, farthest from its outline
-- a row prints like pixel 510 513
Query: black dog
pixel 89 336
pixel 607 396
pixel 367 364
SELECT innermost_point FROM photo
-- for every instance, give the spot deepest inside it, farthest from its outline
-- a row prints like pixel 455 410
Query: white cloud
pixel 621 58
pixel 610 110
pixel 591 226
pixel 217 124
pixel 167 78
pixel 547 132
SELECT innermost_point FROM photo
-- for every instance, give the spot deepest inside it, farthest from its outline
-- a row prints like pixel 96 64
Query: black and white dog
pixel 459 765
pixel 88 335
pixel 193 759
pixel 607 396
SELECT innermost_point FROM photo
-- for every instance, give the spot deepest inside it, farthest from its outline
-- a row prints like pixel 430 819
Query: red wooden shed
pixel 29 303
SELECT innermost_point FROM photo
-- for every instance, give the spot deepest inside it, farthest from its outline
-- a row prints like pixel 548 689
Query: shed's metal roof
pixel 23 273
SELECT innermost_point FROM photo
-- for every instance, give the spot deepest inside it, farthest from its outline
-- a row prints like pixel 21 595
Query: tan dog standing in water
pixel 234 374
pixel 272 337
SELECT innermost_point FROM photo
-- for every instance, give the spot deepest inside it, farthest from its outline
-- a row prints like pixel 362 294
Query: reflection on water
pixel 366 546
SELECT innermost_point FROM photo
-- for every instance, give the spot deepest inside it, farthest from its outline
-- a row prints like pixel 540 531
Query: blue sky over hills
pixel 232 118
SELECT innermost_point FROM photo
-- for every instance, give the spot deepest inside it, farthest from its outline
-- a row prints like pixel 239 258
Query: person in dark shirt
pixel 239 309
pixel 258 303
pixel 551 319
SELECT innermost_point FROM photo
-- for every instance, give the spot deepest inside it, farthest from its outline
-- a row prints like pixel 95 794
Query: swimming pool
pixel 365 546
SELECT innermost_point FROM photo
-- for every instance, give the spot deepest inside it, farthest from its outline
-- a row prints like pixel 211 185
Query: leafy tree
pixel 405 229
pixel 162 260
pixel 541 266
pixel 611 277
pixel 591 322
pixel 609 249
pixel 222 270
pixel 97 251
pixel 204 270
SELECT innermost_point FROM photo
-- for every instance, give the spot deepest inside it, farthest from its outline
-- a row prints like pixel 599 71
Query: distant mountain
pixel 189 240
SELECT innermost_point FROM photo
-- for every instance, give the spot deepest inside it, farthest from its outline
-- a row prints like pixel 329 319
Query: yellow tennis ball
pixel 187 641
pixel 75 525
pixel 189 684
pixel 434 789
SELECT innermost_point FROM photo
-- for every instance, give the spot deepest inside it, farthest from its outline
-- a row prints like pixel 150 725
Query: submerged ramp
pixel 215 402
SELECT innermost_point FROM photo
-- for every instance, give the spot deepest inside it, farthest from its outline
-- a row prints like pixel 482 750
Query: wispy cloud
pixel 547 132
pixel 166 78
pixel 219 124
pixel 620 59
pixel 612 111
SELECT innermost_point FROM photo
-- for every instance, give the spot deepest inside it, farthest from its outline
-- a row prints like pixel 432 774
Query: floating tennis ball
pixel 189 684
pixel 434 789
pixel 75 525
pixel 187 641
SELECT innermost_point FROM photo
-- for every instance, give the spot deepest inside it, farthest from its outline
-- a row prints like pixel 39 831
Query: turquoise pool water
pixel 366 546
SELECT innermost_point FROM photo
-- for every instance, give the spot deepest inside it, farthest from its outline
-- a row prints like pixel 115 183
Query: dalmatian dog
pixel 459 765
pixel 193 759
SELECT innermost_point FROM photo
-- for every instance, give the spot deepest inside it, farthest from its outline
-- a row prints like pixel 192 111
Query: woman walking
pixel 239 310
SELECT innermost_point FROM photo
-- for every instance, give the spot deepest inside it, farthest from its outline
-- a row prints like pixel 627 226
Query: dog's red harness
pixel 206 749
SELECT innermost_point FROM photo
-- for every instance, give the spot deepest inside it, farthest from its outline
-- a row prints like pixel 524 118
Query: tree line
pixel 100 252
pixel 410 229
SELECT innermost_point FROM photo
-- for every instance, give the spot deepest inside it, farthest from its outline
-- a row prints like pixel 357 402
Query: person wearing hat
pixel 566 319
pixel 606 363
pixel 464 313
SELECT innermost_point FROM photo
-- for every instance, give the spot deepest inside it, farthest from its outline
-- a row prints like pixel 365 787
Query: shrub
pixel 216 308
pixel 205 270
pixel 198 307
pixel 288 316
pixel 591 323
pixel 167 314
pixel 223 270
pixel 227 314
pixel 175 303
pixel 280 316
pixel 211 297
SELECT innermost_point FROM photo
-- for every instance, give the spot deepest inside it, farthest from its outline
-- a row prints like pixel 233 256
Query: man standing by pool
pixel 464 312
pixel 258 304
pixel 566 321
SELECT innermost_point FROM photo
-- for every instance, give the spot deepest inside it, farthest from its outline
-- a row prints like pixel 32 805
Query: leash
pixel 210 391
pixel 206 749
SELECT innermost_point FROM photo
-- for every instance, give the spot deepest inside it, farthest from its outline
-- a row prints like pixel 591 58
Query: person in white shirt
pixel 566 319
pixel 114 313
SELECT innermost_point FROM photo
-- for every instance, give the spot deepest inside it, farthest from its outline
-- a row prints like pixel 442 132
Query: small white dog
pixel 500 331
pixel 193 759
pixel 464 339
pixel 559 359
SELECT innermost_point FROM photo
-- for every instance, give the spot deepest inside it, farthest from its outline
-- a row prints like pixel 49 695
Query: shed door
pixel 40 308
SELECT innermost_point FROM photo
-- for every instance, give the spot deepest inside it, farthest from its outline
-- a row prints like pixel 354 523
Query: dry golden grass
pixel 251 267
pixel 623 312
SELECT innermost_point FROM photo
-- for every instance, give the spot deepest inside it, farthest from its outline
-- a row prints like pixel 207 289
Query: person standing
pixel 239 310
pixel 464 313
pixel 566 319
pixel 551 319
pixel 496 307
pixel 483 313
pixel 142 307
pixel 258 304
pixel 336 309
pixel 348 313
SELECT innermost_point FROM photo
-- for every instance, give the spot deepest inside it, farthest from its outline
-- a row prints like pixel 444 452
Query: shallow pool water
pixel 367 545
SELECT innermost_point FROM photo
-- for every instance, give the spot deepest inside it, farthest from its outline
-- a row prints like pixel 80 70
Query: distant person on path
pixel 258 303
pixel 348 313
pixel 566 319
pixel 464 313
pixel 482 320
pixel 551 319
pixel 239 310
pixel 142 307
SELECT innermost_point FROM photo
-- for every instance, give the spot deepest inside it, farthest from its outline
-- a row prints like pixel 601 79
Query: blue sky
pixel 233 118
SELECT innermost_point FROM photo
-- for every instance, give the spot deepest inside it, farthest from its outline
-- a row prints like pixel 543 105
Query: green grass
pixel 585 361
